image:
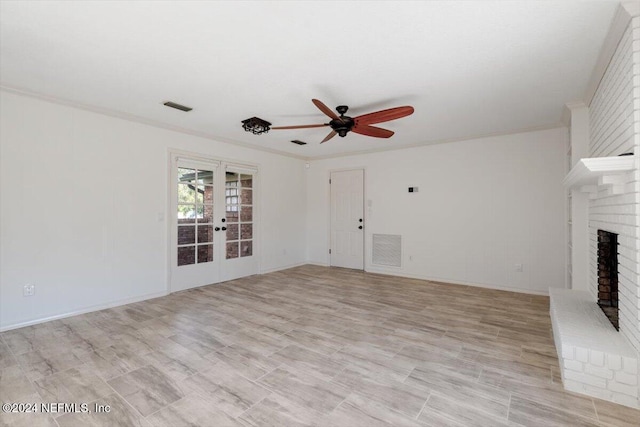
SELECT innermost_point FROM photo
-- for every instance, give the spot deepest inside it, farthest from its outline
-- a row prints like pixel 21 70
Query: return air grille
pixel 387 250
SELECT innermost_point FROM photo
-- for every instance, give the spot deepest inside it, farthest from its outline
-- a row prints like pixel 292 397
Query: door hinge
pixel 329 180
pixel 329 251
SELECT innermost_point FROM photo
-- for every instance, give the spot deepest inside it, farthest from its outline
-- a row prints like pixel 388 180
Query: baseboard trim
pixel 286 267
pixel 460 283
pixel 89 309
pixel 319 264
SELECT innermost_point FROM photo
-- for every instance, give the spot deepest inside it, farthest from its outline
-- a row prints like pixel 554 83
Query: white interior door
pixel 347 219
pixel 213 226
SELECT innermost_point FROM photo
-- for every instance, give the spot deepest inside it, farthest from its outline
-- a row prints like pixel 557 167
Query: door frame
pixel 172 155
pixel 365 211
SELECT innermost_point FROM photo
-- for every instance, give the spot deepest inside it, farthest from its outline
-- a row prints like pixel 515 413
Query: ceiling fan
pixel 341 125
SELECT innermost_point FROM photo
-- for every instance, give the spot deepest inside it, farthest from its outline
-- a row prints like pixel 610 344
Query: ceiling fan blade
pixel 372 131
pixel 383 115
pixel 324 109
pixel 328 137
pixel 300 126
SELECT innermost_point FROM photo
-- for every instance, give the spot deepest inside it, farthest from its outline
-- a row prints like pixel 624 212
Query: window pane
pixel 186 235
pixel 208 214
pixel 200 194
pixel 246 213
pixel 186 214
pixel 246 248
pixel 232 208
pixel 246 181
pixel 205 253
pixel 200 212
pixel 232 216
pixel 186 193
pixel 231 180
pixel 205 176
pixel 208 195
pixel 232 232
pixel 232 250
pixel 205 233
pixel 246 231
pixel 186 255
pixel 247 197
pixel 186 175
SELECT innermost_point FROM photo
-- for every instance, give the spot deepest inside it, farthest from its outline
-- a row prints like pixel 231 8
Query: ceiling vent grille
pixel 387 250
pixel 178 106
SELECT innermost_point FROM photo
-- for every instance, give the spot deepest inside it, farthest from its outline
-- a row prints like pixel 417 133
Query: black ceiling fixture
pixel 297 141
pixel 256 125
pixel 178 106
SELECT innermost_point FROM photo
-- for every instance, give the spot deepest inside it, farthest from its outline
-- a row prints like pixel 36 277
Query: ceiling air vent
pixel 178 106
pixel 297 141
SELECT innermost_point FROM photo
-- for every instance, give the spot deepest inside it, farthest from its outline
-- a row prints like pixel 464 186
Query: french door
pixel 212 222
pixel 347 219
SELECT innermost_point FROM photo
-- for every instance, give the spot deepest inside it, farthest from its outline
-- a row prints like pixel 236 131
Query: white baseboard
pixel 458 282
pixel 90 309
pixel 319 264
pixel 286 267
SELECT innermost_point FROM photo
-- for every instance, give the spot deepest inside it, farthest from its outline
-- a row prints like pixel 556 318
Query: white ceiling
pixel 469 68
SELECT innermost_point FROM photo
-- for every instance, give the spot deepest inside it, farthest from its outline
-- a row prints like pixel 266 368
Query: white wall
pixel 483 206
pixel 80 195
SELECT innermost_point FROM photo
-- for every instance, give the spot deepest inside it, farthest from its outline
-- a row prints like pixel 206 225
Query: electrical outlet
pixel 519 268
pixel 29 290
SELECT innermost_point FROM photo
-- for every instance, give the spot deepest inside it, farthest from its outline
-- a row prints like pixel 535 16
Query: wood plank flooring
pixel 308 346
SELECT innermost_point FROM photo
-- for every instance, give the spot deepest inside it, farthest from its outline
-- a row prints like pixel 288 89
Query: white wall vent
pixel 387 250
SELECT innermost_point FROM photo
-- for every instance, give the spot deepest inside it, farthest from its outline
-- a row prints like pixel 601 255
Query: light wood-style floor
pixel 309 346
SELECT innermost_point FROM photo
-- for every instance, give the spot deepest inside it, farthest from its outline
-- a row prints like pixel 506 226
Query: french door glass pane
pixel 232 232
pixel 232 250
pixel 186 235
pixel 205 253
pixel 246 231
pixel 205 233
pixel 246 248
pixel 186 255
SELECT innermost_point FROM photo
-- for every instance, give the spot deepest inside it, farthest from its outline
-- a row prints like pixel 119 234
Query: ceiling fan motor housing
pixel 342 125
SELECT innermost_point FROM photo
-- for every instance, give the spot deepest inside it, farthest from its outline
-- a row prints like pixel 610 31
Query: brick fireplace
pixel 596 320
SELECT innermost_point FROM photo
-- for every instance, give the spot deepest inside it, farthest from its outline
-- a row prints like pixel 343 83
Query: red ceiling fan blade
pixel 299 127
pixel 383 115
pixel 324 109
pixel 372 131
pixel 328 137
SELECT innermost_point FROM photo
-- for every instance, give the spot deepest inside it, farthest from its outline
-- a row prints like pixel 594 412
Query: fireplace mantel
pixel 589 174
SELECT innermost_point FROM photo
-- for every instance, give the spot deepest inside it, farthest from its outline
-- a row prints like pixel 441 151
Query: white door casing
pixel 347 219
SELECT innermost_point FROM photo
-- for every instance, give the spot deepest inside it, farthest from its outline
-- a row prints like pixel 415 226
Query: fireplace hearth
pixel 608 275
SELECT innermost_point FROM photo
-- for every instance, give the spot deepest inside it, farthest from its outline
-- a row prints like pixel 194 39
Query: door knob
pixel 360 228
pixel 217 229
pixel 224 228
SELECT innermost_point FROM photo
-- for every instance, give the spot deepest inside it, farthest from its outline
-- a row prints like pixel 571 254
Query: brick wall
pixel 614 117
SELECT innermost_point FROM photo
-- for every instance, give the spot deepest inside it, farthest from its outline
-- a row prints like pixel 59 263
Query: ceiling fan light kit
pixel 256 125
pixel 341 125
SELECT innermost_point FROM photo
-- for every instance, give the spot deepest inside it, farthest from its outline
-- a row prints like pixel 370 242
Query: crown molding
pixel 626 11
pixel 558 125
pixel 138 119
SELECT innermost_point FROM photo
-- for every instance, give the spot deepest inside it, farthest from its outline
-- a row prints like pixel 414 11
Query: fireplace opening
pixel 608 275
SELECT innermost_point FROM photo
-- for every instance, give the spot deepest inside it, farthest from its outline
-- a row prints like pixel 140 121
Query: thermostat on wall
pixel 413 189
